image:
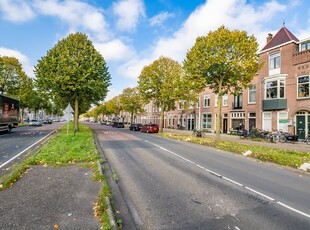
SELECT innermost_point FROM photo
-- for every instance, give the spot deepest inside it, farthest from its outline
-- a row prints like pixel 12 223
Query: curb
pixel 118 200
pixel 107 200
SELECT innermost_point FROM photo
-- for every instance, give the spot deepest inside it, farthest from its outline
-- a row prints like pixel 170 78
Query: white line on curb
pixel 5 163
pixel 230 180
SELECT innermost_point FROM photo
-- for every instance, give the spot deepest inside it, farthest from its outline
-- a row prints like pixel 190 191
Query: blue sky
pixel 130 34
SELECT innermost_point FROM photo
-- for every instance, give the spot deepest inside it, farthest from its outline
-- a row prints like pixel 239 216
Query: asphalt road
pixel 174 185
pixel 16 143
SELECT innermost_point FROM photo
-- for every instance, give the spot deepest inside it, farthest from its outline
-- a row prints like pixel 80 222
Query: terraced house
pixel 278 99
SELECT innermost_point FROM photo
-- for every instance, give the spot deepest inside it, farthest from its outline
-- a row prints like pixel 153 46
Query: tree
pixel 131 101
pixel 161 81
pixel 11 75
pixel 74 71
pixel 227 60
pixel 113 106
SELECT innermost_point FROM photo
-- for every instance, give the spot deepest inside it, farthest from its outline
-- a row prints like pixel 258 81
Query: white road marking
pixel 5 163
pixel 230 180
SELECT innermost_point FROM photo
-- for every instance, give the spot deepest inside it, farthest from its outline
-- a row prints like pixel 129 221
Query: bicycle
pixel 307 140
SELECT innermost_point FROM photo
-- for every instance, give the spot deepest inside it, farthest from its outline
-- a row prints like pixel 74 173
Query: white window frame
pixel 264 120
pixel 206 100
pixel 206 120
pixel 279 80
pixel 306 82
pixel 283 116
pixel 252 91
pixel 274 63
pixel 225 100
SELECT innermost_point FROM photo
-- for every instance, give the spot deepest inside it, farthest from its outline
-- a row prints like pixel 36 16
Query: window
pixel 206 121
pixel 283 121
pixel 252 94
pixel 303 87
pixel 206 101
pixel 225 100
pixel 304 46
pixel 238 101
pixel 274 61
pixel 275 89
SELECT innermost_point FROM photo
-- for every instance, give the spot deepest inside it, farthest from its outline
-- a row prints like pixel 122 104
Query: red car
pixel 150 128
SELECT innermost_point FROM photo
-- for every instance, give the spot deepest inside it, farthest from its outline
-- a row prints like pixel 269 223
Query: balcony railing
pixel 274 104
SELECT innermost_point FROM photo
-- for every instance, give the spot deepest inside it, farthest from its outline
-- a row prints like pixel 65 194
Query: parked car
pixel 135 127
pixel 118 125
pixel 150 128
pixel 47 121
pixel 35 122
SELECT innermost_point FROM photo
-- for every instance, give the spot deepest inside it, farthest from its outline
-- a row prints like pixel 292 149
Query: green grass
pixel 68 149
pixel 279 156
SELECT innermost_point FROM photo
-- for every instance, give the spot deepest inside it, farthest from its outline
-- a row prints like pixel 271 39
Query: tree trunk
pixel 76 114
pixel 131 117
pixel 218 118
pixel 161 128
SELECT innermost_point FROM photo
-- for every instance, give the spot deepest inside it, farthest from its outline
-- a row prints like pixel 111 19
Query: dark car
pixel 150 128
pixel 118 125
pixel 135 127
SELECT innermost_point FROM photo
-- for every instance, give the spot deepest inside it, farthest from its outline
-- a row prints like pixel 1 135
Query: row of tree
pixel 224 60
pixel 73 71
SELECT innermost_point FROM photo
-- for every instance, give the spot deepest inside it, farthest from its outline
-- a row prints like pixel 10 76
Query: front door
pixel 300 126
pixel 224 125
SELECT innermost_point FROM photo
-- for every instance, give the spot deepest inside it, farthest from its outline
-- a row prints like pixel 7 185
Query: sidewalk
pixel 300 147
pixel 51 198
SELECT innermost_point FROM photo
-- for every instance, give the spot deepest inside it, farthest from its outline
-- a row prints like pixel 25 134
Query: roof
pixel 281 37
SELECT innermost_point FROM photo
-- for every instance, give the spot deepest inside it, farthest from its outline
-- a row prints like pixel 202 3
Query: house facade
pixel 278 99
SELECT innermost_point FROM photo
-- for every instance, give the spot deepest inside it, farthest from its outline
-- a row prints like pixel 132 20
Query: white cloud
pixel 115 50
pixel 160 18
pixel 16 10
pixel 78 15
pixel 23 59
pixel 133 68
pixel 235 14
pixel 128 12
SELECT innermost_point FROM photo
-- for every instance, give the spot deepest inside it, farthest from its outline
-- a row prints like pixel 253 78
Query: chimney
pixel 269 38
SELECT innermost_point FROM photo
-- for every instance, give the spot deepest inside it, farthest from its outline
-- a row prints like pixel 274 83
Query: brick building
pixel 279 98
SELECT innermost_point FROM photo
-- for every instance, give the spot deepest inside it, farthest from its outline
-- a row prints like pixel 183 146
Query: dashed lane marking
pixel 231 181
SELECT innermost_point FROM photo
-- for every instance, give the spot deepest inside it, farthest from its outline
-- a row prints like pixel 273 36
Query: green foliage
pixel 74 71
pixel 131 101
pixel 161 82
pixel 227 60
pixel 12 76
pixel 66 149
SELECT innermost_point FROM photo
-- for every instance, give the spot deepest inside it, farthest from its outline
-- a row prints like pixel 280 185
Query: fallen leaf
pixel 56 226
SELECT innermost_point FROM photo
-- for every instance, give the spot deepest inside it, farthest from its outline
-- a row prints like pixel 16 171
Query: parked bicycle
pixel 287 137
pixel 307 140
pixel 197 133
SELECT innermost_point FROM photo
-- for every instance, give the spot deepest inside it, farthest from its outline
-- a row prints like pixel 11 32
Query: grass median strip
pixel 289 158
pixel 69 149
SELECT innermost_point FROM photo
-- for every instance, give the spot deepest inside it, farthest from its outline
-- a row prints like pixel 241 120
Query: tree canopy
pixel 74 71
pixel 226 59
pixel 12 76
pixel 131 101
pixel 161 82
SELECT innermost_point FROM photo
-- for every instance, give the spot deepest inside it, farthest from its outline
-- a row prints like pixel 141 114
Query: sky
pixel 131 34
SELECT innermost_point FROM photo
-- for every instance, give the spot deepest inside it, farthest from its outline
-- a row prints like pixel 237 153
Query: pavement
pixel 64 197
